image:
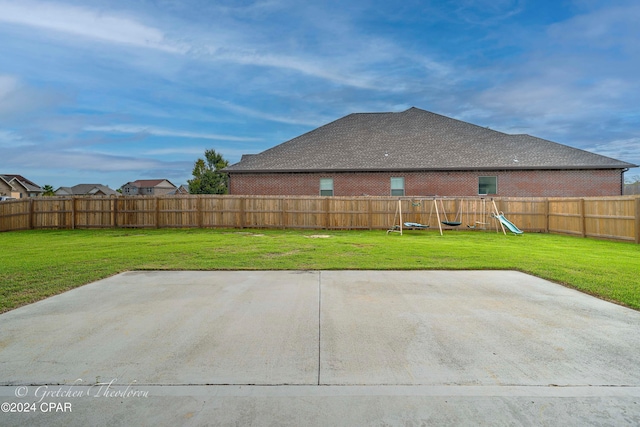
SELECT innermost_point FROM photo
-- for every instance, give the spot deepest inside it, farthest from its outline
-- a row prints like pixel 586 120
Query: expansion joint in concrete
pixel 319 322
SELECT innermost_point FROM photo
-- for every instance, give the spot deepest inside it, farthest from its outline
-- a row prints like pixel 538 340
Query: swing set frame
pixel 412 225
pixel 471 204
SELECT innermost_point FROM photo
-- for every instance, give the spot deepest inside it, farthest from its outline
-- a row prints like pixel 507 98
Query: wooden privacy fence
pixel 615 218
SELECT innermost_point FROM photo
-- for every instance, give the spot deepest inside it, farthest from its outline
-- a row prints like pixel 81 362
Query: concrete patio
pixel 321 348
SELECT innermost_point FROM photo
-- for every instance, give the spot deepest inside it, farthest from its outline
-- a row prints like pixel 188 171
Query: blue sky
pixel 97 91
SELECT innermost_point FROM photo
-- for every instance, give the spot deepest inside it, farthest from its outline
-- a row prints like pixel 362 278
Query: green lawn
pixel 37 264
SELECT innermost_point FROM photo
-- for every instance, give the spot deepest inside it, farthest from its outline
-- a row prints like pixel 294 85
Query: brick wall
pixel 527 183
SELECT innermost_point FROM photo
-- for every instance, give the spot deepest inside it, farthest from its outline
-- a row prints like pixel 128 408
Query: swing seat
pixel 477 223
pixel 452 223
pixel 415 225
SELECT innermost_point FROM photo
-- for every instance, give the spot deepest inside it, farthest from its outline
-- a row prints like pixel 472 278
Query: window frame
pixel 326 180
pixel 396 189
pixel 495 184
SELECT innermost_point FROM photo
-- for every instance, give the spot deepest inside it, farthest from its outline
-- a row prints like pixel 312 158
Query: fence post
pixel 326 213
pixel 638 220
pixel 157 211
pixel 283 213
pixel 30 213
pixel 242 212
pixel 199 213
pixel 115 211
pixel 546 215
pixel 73 212
pixel 370 213
pixel 583 225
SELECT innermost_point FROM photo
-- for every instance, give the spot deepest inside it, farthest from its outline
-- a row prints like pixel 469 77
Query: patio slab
pixel 169 328
pixel 321 348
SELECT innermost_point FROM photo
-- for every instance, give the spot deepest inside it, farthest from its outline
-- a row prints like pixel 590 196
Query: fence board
pixel 14 215
pixel 93 212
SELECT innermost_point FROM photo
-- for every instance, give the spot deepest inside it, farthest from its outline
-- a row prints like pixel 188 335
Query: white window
pixel 397 186
pixel 326 186
pixel 488 185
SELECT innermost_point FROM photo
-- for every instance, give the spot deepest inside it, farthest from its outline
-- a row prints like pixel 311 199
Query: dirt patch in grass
pixel 280 254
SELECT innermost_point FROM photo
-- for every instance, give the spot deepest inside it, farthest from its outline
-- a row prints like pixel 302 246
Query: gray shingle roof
pixel 416 140
pixel 29 185
pixel 148 183
pixel 87 189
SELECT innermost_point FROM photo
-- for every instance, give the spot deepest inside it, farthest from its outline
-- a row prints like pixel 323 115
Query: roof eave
pixel 448 169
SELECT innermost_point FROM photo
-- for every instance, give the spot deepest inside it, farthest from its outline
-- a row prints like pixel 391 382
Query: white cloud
pixel 199 151
pixel 316 67
pixel 8 84
pixel 156 131
pixel 175 150
pixel 613 25
pixel 95 161
pixel 10 139
pixel 85 22
pixel 624 149
pixel 17 98
pixel 548 96
pixel 279 118
pixel 573 79
pixel 487 12
pixel 353 62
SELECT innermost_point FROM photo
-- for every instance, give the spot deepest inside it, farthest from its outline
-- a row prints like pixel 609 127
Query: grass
pixel 38 264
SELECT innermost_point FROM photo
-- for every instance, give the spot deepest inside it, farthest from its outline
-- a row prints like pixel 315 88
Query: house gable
pixel 146 187
pixel 22 187
pixel 6 189
pixel 86 190
pixel 64 191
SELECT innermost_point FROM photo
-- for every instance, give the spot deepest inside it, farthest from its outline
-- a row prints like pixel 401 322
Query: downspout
pixel 622 181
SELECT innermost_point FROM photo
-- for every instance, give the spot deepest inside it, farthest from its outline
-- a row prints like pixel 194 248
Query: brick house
pixel 419 153
pixel 148 187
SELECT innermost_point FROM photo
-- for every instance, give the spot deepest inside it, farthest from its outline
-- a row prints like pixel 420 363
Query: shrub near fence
pixel 615 218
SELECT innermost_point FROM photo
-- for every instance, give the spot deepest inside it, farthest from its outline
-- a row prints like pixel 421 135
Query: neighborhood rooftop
pixel 148 182
pixel 86 189
pixel 416 139
pixel 29 185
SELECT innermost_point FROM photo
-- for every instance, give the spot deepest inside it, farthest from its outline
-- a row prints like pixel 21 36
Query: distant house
pixel 182 190
pixel 17 186
pixel 419 153
pixel 148 187
pixel 86 190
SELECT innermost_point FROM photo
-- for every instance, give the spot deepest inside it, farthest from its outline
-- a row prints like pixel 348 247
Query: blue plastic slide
pixel 511 226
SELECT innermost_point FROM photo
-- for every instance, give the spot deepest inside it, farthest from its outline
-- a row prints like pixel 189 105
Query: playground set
pixel 475 212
